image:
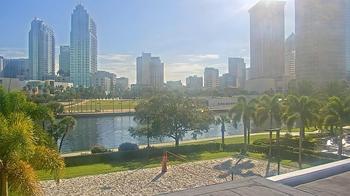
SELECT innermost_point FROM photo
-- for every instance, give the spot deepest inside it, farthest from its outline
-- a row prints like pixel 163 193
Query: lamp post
pixel 277 130
pixel 113 104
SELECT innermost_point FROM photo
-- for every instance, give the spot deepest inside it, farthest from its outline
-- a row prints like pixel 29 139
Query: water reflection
pixel 110 132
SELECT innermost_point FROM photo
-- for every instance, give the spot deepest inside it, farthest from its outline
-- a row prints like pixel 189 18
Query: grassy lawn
pixel 190 151
pixel 101 105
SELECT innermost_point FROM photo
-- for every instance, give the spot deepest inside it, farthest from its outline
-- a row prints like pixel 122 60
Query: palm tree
pixel 67 124
pixel 24 146
pixel 304 111
pixel 243 111
pixel 20 154
pixel 221 121
pixel 337 113
pixel 269 108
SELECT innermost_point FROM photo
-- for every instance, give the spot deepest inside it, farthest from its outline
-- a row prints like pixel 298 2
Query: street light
pixel 277 130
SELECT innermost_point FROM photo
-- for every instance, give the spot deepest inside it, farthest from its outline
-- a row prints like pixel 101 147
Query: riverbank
pixel 186 142
pixel 94 164
pixel 151 181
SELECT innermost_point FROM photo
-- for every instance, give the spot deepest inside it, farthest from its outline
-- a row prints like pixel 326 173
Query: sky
pixel 188 35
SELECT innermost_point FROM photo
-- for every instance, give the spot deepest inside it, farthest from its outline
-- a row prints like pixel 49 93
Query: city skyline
pixel 181 58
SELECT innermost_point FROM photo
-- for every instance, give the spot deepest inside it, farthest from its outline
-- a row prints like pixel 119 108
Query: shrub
pixel 128 147
pixel 98 149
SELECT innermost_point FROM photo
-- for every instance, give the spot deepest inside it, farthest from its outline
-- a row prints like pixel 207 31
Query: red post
pixel 164 162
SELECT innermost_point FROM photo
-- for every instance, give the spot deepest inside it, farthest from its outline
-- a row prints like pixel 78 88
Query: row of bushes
pixel 124 147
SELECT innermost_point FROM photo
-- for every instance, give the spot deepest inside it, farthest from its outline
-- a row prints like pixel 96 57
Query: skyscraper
pixel 320 30
pixel 64 61
pixel 211 78
pixel 227 80
pixel 267 39
pixel 149 71
pixel 194 82
pixel 122 84
pixel 289 65
pixel 348 40
pixel 16 68
pixel 83 48
pixel 41 51
pixel 237 68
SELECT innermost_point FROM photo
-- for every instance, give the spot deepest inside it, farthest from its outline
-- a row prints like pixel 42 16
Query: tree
pixel 24 146
pixel 303 110
pixel 40 114
pixel 301 88
pixel 244 111
pixel 335 88
pixel 221 121
pixel 173 116
pixel 337 113
pixel 67 124
pixel 147 114
pixel 181 115
pixel 59 130
pixel 56 108
pixel 269 108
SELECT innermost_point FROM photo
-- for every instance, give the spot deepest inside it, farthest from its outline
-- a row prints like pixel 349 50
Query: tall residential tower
pixel 41 51
pixel 83 48
pixel 320 30
pixel 64 61
pixel 211 78
pixel 289 65
pixel 149 71
pixel 267 39
pixel 237 68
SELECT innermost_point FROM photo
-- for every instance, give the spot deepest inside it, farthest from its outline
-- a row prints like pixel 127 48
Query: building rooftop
pixel 334 185
pixel 328 179
pixel 248 187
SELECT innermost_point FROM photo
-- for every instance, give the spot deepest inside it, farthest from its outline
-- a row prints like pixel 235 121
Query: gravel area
pixel 152 181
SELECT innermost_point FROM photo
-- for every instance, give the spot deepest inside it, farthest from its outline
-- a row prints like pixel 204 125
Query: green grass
pixel 101 105
pixel 103 168
pixel 194 151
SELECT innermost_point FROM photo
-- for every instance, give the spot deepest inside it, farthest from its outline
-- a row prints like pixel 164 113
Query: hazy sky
pixel 188 35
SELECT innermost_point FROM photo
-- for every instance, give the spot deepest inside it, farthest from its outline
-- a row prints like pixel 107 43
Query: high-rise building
pixel 64 61
pixel 194 82
pixel 348 40
pixel 320 30
pixel 122 83
pixel 103 81
pixel 41 51
pixel 227 80
pixel 267 39
pixel 174 85
pixel 289 65
pixel 1 65
pixel 211 78
pixel 247 73
pixel 83 48
pixel 105 74
pixel 149 71
pixel 237 68
pixel 16 68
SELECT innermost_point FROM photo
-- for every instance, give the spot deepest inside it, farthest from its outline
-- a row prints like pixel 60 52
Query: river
pixel 112 131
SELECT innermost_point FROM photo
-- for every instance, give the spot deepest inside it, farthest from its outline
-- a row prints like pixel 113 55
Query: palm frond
pixel 48 159
pixel 22 179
